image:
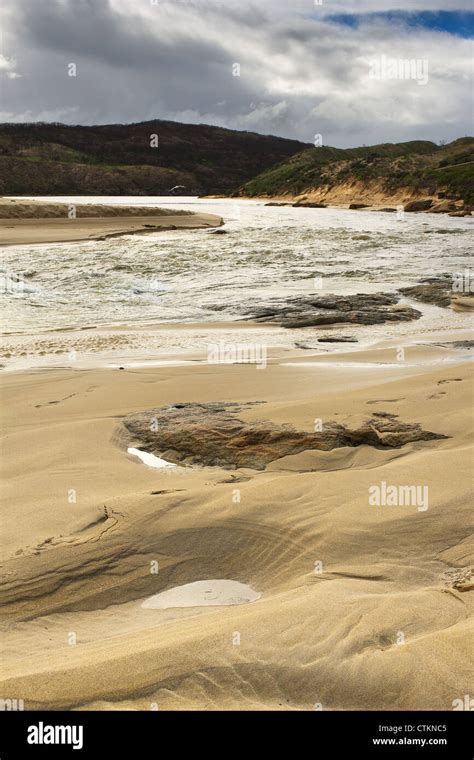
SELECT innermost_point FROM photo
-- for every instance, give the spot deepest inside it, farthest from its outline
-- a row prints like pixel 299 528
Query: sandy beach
pixel 236 376
pixel 349 606
pixel 34 222
pixel 263 504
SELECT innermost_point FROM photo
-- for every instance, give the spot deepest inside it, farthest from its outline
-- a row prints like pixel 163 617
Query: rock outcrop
pixel 213 435
pixel 462 212
pixel 308 204
pixel 461 344
pixel 435 290
pixel 422 205
pixel 312 311
pixel 443 207
pixel 337 339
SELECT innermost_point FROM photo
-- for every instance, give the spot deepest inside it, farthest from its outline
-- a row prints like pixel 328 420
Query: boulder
pixel 443 207
pixel 422 205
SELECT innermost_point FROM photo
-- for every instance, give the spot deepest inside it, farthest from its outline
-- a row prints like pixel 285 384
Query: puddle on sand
pixel 203 594
pixel 150 459
pixel 144 363
pixel 345 365
pixel 438 362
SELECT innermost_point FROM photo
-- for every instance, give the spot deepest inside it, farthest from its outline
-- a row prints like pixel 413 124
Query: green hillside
pixel 423 166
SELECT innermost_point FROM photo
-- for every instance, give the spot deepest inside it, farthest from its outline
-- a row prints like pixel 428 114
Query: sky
pixel 351 73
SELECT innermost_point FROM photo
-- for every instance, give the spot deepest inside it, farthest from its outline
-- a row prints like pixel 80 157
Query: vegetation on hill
pixel 119 159
pixel 423 167
pixel 151 158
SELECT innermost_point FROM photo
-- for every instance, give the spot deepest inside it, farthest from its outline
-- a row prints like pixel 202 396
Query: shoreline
pixel 107 346
pixel 319 202
pixel 41 231
pixel 63 430
pixel 255 481
pixel 38 222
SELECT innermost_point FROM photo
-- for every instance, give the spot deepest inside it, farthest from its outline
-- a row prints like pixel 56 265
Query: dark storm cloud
pixel 300 73
pixel 92 29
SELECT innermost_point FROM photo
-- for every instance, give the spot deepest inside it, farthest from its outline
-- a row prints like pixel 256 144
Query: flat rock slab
pixel 313 311
pixel 203 594
pixel 461 344
pixel 435 290
pixel 338 339
pixel 213 435
pixel 308 204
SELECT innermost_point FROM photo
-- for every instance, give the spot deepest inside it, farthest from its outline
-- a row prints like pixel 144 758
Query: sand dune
pixel 361 607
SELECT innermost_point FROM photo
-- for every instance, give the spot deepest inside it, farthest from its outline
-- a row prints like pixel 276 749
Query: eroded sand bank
pixel 30 222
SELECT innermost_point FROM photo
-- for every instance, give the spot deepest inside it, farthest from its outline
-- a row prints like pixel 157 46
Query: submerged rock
pixel 464 344
pixel 462 212
pixel 435 290
pixel 213 435
pixel 445 231
pixel 311 311
pixel 338 339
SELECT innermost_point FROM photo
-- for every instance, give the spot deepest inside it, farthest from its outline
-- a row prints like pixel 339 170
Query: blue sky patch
pixel 460 23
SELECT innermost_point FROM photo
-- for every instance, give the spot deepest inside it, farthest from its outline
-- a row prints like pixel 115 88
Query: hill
pixel 382 172
pixel 118 159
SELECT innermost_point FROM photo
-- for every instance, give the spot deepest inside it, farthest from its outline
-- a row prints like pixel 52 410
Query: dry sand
pixel 361 607
pixel 30 222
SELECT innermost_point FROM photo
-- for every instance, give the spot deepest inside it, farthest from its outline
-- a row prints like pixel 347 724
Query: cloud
pixel 7 68
pixel 301 74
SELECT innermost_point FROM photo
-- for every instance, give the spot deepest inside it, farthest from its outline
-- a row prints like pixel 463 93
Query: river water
pixel 136 281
